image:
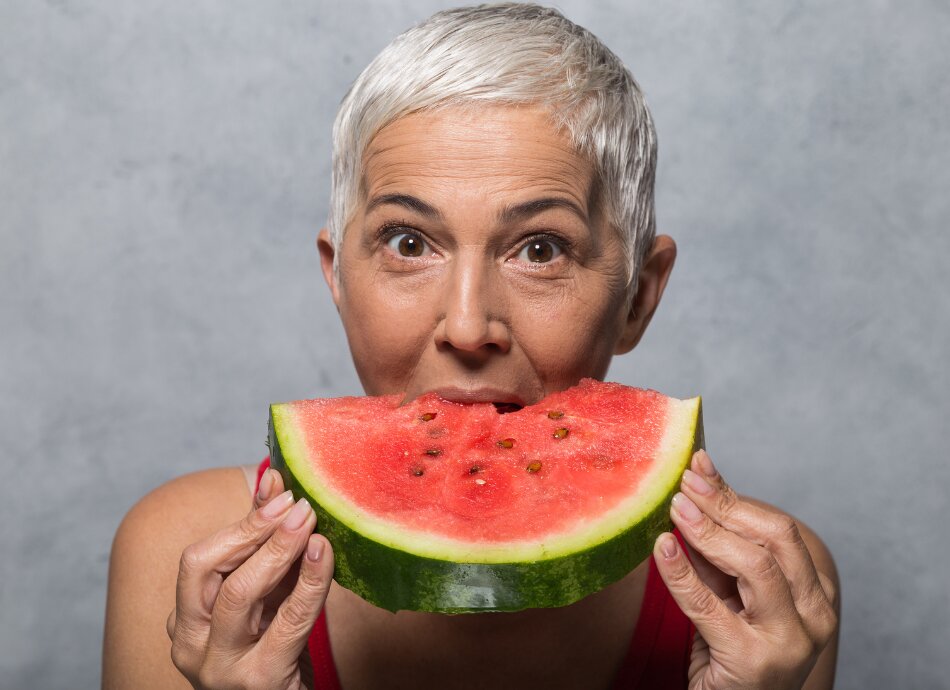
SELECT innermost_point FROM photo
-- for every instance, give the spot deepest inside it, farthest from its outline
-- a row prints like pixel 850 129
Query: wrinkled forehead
pixel 496 152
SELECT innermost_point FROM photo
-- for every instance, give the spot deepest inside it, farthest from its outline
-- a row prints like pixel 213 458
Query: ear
pixel 654 273
pixel 327 253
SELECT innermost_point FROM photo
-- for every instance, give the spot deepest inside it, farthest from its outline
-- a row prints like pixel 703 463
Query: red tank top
pixel 657 659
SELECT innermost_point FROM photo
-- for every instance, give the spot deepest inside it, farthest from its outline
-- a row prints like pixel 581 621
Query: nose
pixel 474 310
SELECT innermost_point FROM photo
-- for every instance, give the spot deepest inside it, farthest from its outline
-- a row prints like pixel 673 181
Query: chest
pixel 581 646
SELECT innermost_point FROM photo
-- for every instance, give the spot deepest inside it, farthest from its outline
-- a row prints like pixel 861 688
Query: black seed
pixel 428 417
pixel 433 452
pixel 561 433
pixel 555 414
pixel 417 470
pixel 474 469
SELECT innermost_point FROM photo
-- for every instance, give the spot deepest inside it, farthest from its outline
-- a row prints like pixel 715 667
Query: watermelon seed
pixel 533 467
pixel 434 452
pixel 428 417
pixel 416 470
pixel 561 433
pixel 507 443
pixel 474 469
pixel 480 482
pixel 555 414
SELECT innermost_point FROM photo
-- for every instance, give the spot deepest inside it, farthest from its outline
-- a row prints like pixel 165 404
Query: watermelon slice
pixel 439 506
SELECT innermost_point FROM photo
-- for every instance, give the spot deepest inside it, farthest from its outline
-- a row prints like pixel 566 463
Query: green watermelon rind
pixel 403 576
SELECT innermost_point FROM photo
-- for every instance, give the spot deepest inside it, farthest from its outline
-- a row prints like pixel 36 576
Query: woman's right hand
pixel 246 600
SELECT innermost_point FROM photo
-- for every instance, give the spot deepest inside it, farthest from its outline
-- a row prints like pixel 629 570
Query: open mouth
pixel 506 407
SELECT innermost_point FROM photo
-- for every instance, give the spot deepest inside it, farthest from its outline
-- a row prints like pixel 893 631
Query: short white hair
pixel 517 54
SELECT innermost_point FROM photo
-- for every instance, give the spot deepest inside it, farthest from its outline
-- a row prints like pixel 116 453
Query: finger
pixel 239 605
pixel 204 564
pixel 771 529
pixel 761 583
pixel 288 633
pixel 714 621
pixel 271 484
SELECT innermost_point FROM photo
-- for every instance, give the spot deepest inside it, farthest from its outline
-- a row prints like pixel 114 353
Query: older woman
pixel 491 238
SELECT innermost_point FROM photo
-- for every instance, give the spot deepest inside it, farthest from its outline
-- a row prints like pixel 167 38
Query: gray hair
pixel 510 53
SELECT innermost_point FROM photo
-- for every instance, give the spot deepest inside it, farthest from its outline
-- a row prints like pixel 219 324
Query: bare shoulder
pixel 181 512
pixel 143 570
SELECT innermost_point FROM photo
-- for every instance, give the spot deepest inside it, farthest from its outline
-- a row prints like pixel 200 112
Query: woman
pixel 491 238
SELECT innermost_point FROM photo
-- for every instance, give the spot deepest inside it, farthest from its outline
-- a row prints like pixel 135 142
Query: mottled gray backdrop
pixel 164 171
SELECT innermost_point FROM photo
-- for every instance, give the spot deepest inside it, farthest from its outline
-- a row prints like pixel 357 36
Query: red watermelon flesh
pixel 456 476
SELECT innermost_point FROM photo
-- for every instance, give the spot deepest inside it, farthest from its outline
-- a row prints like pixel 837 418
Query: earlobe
pixel 654 274
pixel 327 255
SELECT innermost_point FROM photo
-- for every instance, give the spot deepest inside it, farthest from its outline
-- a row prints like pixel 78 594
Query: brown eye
pixel 407 244
pixel 539 251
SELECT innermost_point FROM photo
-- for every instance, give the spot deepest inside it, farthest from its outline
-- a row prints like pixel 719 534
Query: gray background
pixel 164 170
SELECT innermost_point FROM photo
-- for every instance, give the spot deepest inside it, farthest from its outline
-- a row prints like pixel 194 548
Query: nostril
pixel 505 408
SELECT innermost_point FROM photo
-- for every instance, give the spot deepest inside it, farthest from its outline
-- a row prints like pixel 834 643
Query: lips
pixel 500 398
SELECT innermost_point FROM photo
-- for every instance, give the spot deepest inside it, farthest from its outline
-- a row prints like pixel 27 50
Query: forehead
pixel 501 152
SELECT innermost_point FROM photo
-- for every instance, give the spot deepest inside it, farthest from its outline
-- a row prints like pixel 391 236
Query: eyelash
pixel 397 227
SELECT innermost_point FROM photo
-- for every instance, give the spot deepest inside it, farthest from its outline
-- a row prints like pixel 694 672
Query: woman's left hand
pixel 762 610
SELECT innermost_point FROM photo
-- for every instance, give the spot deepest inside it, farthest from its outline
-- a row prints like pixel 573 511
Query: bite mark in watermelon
pixel 440 506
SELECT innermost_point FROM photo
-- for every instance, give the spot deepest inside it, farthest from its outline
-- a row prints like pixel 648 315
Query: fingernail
pixel 668 546
pixel 697 483
pixel 267 485
pixel 278 505
pixel 298 515
pixel 314 549
pixel 686 508
pixel 706 465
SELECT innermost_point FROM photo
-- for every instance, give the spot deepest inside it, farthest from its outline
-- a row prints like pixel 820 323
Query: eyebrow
pixel 510 214
pixel 524 210
pixel 406 201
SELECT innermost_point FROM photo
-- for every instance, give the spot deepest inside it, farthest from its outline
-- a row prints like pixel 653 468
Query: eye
pixel 539 251
pixel 407 244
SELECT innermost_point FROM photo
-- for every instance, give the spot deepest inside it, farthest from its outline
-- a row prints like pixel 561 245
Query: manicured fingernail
pixel 686 508
pixel 267 485
pixel 706 465
pixel 278 505
pixel 697 483
pixel 298 515
pixel 314 549
pixel 668 546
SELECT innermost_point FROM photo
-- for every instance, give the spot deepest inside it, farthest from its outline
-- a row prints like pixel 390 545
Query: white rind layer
pixel 672 457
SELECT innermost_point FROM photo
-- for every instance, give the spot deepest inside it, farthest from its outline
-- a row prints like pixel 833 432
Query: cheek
pixel 570 333
pixel 387 329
